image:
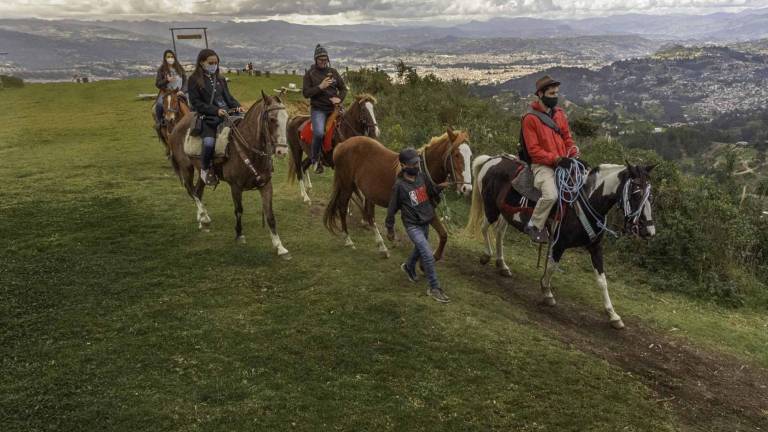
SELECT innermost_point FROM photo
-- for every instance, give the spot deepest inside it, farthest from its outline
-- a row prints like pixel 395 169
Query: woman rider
pixel 209 96
pixel 170 77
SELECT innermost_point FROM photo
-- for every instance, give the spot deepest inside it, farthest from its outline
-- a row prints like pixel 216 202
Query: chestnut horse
pixel 254 140
pixel 367 169
pixel 357 120
pixel 175 107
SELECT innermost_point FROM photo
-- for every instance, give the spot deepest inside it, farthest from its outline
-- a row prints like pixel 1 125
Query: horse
pixel 368 170
pixel 606 186
pixel 358 120
pixel 254 140
pixel 175 107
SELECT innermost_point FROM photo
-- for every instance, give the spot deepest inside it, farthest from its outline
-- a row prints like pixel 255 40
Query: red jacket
pixel 544 145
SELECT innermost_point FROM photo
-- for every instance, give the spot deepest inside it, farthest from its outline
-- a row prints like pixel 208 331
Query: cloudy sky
pixel 351 11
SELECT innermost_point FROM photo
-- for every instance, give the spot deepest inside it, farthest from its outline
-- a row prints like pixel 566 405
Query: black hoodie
pixel 413 198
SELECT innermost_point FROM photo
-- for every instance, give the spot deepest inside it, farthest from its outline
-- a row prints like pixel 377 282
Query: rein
pixel 240 140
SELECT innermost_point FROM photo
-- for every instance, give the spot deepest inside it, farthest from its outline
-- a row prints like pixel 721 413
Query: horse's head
pixel 367 118
pixel 274 120
pixel 171 106
pixel 635 200
pixel 458 161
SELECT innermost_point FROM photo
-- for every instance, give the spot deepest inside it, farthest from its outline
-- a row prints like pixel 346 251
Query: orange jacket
pixel 544 145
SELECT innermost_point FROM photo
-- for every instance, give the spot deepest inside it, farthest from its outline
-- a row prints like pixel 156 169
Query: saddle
pixel 193 145
pixel 522 178
pixel 330 128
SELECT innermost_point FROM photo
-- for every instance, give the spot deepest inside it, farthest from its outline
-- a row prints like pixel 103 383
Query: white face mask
pixel 170 61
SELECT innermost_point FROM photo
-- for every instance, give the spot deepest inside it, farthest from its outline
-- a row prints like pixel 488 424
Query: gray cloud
pixel 355 10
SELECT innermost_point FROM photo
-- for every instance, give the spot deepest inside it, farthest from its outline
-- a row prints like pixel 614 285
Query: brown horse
pixel 254 140
pixel 367 169
pixel 357 120
pixel 175 107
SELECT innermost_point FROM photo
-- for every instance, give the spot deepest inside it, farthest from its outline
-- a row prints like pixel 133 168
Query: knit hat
pixel 320 51
pixel 408 156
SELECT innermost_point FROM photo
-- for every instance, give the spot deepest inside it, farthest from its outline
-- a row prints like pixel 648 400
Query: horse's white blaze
pixel 282 122
pixel 466 153
pixel 603 284
pixel 369 107
pixel 277 244
pixel 649 217
pixel 609 177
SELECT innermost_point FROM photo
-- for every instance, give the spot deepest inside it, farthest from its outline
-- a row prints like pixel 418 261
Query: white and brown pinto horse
pixel 366 169
pixel 357 120
pixel 607 186
pixel 254 140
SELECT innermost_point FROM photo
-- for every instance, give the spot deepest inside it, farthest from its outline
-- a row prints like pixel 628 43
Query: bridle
pixel 632 217
pixel 367 127
pixel 448 166
pixel 240 140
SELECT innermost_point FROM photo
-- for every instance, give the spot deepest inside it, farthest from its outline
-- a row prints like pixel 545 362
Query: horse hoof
pixel 241 239
pixel 204 227
pixel 550 301
pixel 286 256
pixel 617 324
pixel 384 254
pixel 505 272
pixel 485 259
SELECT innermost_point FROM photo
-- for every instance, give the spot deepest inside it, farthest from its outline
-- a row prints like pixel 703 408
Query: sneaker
pixel 537 235
pixel 410 273
pixel 438 294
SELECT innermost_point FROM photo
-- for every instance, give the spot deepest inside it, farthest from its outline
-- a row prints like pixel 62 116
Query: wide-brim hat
pixel 546 82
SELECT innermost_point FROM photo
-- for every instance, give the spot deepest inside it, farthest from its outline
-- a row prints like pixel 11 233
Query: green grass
pixel 117 314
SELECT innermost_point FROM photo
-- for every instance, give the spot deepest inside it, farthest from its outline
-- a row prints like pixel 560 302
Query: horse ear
pixel 451 134
pixel 649 168
pixel 263 95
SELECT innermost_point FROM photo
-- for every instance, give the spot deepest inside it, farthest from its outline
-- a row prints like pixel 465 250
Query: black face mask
pixel 411 171
pixel 549 102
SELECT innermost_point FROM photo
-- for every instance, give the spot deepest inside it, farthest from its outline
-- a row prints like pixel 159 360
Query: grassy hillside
pixel 117 314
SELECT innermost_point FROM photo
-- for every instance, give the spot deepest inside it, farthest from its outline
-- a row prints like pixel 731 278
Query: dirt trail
pixel 707 390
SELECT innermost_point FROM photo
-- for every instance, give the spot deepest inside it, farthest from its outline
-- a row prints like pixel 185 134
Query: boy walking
pixel 411 196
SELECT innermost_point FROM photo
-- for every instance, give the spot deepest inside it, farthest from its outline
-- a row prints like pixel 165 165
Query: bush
pixel 7 81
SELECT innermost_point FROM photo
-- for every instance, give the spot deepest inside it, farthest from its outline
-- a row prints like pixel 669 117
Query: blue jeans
pixel 419 235
pixel 209 146
pixel 318 132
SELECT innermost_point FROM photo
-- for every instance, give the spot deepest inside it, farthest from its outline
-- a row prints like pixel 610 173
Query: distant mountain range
pixel 35 45
pixel 678 84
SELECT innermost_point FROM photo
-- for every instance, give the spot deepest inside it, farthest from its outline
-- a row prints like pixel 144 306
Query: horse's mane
pixel 434 141
pixel 365 97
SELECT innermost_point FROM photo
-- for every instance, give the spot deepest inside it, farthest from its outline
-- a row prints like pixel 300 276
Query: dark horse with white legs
pixel 357 120
pixel 366 169
pixel 605 187
pixel 254 140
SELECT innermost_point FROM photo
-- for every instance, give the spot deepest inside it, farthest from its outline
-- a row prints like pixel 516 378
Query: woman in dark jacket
pixel 170 77
pixel 209 96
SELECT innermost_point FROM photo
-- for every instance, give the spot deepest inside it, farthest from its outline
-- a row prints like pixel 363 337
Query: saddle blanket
pixel 193 146
pixel 330 127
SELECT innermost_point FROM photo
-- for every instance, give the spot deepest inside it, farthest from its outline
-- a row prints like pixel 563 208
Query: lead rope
pixel 570 182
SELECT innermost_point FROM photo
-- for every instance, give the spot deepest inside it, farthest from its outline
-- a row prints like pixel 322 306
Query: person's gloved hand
pixel 564 162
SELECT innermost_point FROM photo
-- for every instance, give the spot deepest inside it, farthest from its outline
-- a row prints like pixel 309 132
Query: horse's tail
pixel 477 210
pixel 294 150
pixel 336 204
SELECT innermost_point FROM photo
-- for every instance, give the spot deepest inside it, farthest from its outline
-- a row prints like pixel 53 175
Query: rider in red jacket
pixel 547 139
